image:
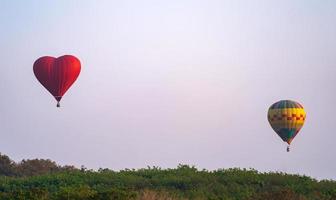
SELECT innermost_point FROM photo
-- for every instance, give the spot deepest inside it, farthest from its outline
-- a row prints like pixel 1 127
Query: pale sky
pixel 169 82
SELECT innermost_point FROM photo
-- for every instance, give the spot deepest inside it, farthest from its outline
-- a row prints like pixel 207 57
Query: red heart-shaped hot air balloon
pixel 57 74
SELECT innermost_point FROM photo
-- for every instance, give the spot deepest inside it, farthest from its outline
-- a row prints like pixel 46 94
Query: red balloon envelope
pixel 57 74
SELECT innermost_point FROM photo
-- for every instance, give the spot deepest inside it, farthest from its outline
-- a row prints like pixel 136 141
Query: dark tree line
pixel 39 179
pixel 30 167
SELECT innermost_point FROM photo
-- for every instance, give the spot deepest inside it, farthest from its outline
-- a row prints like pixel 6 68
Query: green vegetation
pixel 43 179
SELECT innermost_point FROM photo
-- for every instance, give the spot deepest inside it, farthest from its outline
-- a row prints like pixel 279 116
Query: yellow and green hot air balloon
pixel 286 118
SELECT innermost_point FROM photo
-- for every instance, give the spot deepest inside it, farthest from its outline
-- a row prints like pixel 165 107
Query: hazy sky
pixel 169 82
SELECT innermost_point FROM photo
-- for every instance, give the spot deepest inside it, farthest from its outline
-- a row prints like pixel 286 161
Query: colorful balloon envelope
pixel 286 117
pixel 57 74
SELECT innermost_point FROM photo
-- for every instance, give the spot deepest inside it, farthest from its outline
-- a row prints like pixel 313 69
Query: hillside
pixel 44 179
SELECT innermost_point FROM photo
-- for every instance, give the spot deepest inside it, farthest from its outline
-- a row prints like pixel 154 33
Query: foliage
pixel 30 167
pixel 31 180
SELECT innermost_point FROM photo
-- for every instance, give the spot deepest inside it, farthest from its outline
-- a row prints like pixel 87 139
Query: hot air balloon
pixel 57 74
pixel 286 117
